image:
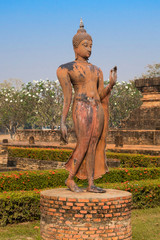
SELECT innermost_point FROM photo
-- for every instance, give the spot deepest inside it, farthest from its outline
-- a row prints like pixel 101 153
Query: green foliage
pixel 61 155
pixel 30 180
pixel 19 207
pixel 135 160
pixel 145 193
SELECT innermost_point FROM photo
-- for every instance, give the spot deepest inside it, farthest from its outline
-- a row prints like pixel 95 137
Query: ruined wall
pixel 135 137
pixel 3 156
pixel 43 135
pixel 147 117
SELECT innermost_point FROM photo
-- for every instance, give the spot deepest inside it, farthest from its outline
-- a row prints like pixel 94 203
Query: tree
pixel 12 82
pixel 125 97
pixel 48 108
pixel 153 71
pixel 15 107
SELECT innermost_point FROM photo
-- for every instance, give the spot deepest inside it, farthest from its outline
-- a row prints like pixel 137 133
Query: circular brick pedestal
pixel 68 215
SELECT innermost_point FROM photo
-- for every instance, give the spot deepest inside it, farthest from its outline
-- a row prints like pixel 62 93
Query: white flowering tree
pixel 48 107
pixel 39 104
pixel 15 107
pixel 124 99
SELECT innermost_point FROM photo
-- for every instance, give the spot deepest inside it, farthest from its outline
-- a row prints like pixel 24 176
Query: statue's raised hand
pixel 113 76
pixel 64 132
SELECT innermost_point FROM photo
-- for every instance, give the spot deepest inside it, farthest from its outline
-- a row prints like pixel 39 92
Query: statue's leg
pixel 74 163
pixel 98 122
pixel 82 117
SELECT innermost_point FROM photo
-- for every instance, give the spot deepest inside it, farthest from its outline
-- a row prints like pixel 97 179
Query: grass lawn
pixel 145 226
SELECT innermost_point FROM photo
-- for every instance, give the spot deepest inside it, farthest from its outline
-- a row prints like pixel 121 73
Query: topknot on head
pixel 80 35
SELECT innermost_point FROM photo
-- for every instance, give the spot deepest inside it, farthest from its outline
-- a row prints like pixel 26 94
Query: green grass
pixel 21 231
pixel 145 226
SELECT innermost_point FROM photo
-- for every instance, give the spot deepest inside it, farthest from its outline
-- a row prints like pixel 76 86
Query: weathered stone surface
pixel 3 156
pixel 42 135
pixel 148 115
pixel 135 137
pixel 34 164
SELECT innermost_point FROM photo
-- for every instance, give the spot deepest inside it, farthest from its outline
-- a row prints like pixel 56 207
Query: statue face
pixel 84 49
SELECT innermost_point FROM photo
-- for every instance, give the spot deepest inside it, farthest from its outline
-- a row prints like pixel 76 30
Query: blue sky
pixel 36 36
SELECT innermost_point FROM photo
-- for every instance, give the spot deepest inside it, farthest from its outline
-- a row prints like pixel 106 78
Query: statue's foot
pixel 73 186
pixel 95 189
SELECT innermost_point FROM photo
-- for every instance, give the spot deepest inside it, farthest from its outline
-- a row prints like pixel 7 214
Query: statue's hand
pixel 64 132
pixel 113 76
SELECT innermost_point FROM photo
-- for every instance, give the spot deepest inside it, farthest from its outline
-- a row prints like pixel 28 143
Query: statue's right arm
pixel 65 82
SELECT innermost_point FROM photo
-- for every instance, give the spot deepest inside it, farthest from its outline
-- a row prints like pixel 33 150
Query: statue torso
pixel 84 78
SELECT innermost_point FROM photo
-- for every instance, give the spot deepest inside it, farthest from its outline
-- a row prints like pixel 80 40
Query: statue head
pixel 82 42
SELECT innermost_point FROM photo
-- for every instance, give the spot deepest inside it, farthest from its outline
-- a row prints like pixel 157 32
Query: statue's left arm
pixel 103 92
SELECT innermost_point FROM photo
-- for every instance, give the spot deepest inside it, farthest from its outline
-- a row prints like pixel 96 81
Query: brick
pixel 87 225
pixel 72 200
pixel 94 235
pixel 77 236
pixel 84 236
pixel 51 210
pixel 83 211
pixel 88 216
pixel 79 204
pixel 66 207
pixel 95 200
pixel 111 234
pixel 91 204
pixel 100 231
pixel 68 222
pixel 105 207
pixel 76 208
pixel 97 220
pixel 108 215
pixel 79 215
pixel 83 228
pixel 83 200
pixel 62 199
pixel 93 211
pixel 69 204
pixel 101 204
pixel 112 206
pixel 93 228
pixel 90 232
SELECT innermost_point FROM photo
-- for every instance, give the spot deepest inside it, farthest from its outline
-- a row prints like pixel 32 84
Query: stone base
pixel 68 215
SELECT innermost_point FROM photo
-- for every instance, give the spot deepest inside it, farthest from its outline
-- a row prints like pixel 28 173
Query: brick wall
pixel 67 215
